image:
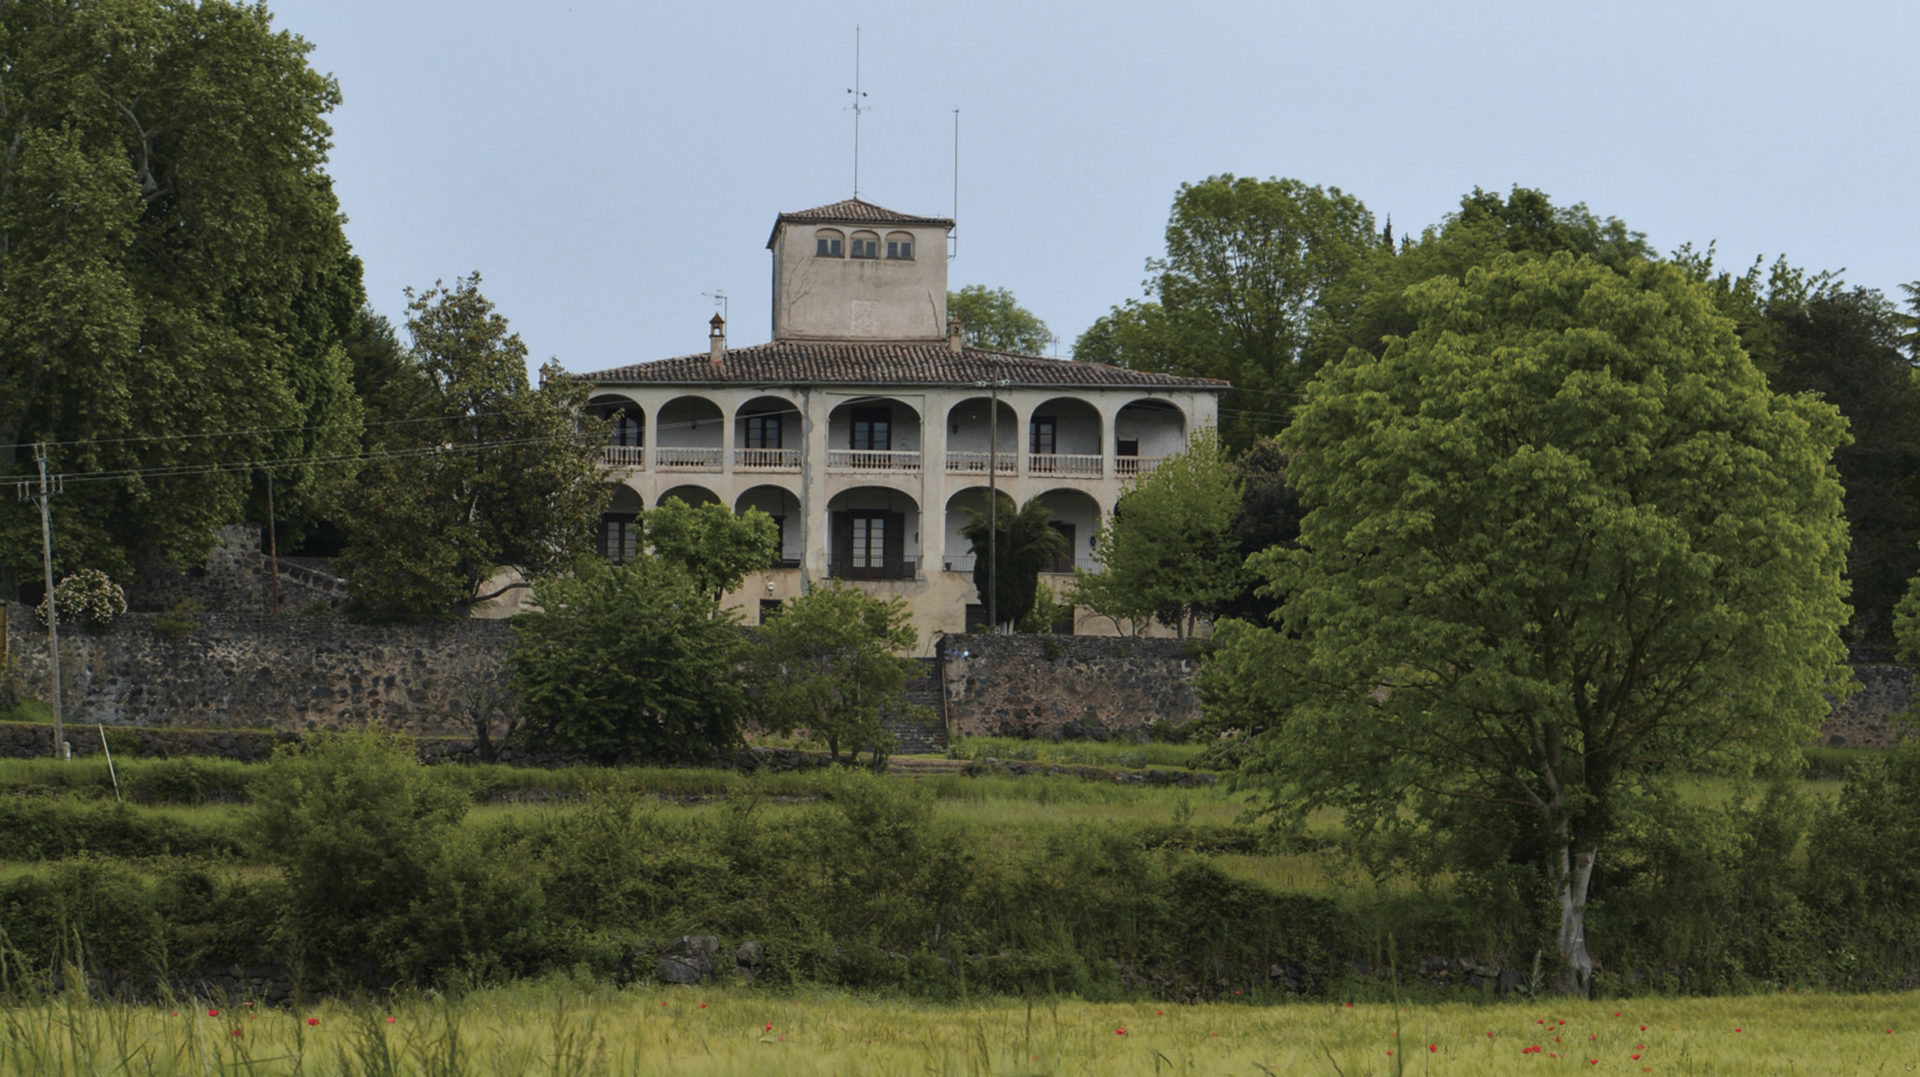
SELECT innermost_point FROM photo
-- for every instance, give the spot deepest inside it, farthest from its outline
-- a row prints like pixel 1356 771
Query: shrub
pixel 88 597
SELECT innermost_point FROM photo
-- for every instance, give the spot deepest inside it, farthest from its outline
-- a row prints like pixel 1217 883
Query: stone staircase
pixel 928 737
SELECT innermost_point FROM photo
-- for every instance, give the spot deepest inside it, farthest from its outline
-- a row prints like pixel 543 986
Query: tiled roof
pixel 852 211
pixel 879 363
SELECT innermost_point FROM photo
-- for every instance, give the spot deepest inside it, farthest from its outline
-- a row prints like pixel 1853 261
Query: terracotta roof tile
pixel 852 211
pixel 883 363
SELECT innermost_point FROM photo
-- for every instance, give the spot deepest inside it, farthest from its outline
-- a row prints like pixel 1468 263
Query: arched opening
pixel 619 535
pixel 970 427
pixel 874 433
pixel 1063 439
pixel 865 245
pixel 694 496
pixel 961 508
pixel 766 435
pixel 873 534
pixel 829 243
pixel 626 439
pixel 1146 432
pixel 688 435
pixel 784 507
pixel 1076 515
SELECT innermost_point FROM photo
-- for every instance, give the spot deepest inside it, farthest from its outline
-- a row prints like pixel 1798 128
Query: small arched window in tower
pixel 827 243
pixel 900 246
pixel 866 245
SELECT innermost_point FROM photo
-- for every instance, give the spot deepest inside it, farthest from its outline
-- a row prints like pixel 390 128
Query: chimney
pixel 717 341
pixel 954 337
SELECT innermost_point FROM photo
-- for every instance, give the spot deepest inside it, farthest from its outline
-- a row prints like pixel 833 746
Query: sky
pixel 603 165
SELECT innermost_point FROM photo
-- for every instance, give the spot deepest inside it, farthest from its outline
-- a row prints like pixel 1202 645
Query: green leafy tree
pixel 355 824
pixel 991 318
pixel 175 276
pixel 1562 543
pixel 830 663
pixel 1024 543
pixel 1169 550
pixel 714 546
pixel 1369 305
pixel 1246 262
pixel 627 662
pixel 503 475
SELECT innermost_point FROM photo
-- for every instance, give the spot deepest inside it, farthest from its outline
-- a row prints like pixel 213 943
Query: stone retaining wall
pixel 1066 686
pixel 291 672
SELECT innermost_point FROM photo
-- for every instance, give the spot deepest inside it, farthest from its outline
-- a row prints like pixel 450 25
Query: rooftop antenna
pixel 859 97
pixel 719 297
pixel 953 238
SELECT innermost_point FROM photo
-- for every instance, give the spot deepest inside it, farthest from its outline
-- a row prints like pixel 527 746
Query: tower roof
pixel 852 211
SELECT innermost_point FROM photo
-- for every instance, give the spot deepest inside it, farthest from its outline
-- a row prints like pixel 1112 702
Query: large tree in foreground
pixel 1562 543
pixel 493 473
pixel 174 282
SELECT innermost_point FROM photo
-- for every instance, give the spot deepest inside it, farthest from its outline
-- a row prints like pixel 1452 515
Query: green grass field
pixel 562 1028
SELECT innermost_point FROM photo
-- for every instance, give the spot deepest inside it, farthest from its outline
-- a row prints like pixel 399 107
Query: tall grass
pixel 560 1027
pixel 1122 754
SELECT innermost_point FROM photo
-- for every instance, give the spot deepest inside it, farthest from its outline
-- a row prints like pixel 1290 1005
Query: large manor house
pixel 871 433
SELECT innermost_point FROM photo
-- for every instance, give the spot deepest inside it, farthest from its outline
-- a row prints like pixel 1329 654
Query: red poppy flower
pixel 389 1020
pixel 769 1026
pixel 239 1032
pixel 1432 1047
pixel 213 1013
pixel 1119 1031
pixel 313 1020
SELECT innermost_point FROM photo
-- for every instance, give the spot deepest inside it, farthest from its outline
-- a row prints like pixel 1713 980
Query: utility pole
pixel 53 607
pixel 993 506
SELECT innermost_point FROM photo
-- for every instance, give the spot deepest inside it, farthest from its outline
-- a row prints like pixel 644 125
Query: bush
pixel 358 828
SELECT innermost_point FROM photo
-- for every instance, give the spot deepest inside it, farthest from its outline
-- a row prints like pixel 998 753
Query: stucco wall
pixel 291 672
pixel 1034 686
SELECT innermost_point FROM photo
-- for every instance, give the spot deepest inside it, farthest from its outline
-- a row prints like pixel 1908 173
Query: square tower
pixel 855 271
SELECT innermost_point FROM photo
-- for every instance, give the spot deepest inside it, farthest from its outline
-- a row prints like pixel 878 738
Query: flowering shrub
pixel 87 596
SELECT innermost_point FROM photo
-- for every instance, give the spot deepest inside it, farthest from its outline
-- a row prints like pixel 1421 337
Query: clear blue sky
pixel 602 164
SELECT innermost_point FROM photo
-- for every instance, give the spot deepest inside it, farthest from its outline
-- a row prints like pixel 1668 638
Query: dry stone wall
pixel 292 672
pixel 1066 686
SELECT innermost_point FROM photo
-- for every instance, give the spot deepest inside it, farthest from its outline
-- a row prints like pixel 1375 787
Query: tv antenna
pixel 859 106
pixel 953 237
pixel 719 297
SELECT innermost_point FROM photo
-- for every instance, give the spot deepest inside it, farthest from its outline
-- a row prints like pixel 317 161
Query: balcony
pixel 634 456
pixel 781 460
pixel 686 458
pixel 889 570
pixel 1065 465
pixel 871 460
pixel 1128 467
pixel 975 463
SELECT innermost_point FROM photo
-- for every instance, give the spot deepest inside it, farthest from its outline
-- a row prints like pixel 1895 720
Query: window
pixel 1126 447
pixel 626 430
pixel 769 609
pixel 870 544
pixel 865 245
pixel 900 247
pixel 1040 435
pixel 1064 562
pixel 619 538
pixel 827 243
pixel 871 429
pixel 763 431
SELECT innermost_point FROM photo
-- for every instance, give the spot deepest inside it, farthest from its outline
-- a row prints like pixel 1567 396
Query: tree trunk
pixel 1572 872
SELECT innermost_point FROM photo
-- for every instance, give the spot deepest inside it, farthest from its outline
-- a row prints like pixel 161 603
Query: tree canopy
pixel 627 662
pixel 991 318
pixel 1246 261
pixel 1169 550
pixel 715 547
pixel 1024 543
pixel 830 662
pixel 1561 543
pixel 499 473
pixel 176 282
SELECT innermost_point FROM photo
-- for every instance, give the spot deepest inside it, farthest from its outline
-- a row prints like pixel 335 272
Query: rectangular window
pixel 1126 447
pixel 826 248
pixel 1063 563
pixel 1040 435
pixel 619 539
pixel 866 248
pixel 763 431
pixel 872 430
pixel 900 249
pixel 626 430
pixel 769 609
pixel 869 544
